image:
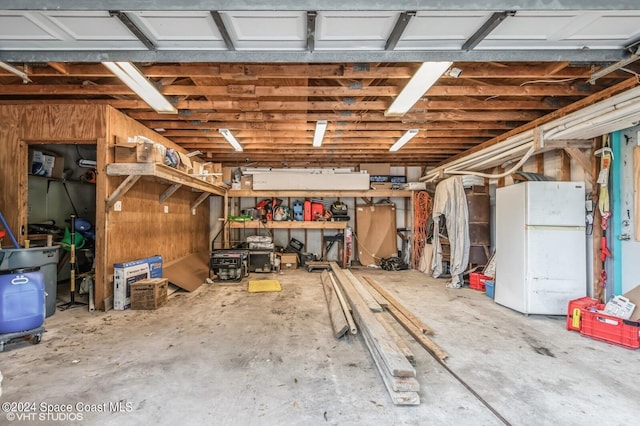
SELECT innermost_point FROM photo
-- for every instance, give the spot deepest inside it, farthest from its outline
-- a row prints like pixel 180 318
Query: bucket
pixel 489 287
pixel 22 300
pixel 46 258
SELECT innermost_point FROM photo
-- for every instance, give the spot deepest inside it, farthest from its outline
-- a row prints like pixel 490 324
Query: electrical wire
pixel 420 218
pixel 564 80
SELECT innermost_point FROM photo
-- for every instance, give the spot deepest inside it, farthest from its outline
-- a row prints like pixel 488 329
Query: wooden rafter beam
pixel 452 115
pixel 284 125
pixel 240 90
pixel 278 71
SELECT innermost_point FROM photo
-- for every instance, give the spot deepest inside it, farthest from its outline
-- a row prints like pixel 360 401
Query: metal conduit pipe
pixel 613 114
pixel 519 164
pixel 618 108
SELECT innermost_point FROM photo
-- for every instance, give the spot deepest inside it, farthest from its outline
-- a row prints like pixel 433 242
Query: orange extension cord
pixel 421 215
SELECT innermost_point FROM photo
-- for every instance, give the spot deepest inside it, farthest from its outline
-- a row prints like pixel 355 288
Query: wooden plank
pixel 318 194
pixel 582 159
pixel 169 192
pixel 393 358
pixel 121 190
pixel 343 304
pixel 636 192
pixel 371 302
pixel 396 304
pixel 288 224
pixel 565 166
pixel 336 315
pixel 416 333
pixel 166 173
pixel 199 200
pixel 408 353
pixel 402 390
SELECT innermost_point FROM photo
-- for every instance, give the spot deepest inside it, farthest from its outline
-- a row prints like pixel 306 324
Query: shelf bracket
pixel 169 192
pixel 582 159
pixel 199 200
pixel 122 189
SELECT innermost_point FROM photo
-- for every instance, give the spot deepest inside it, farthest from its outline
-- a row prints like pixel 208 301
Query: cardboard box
pixel 185 163
pixel 227 174
pixel 150 152
pixel 44 163
pixel 140 152
pixel 288 260
pixel 382 185
pixel 381 169
pixel 215 172
pixel 127 273
pixel 150 293
pixel 246 182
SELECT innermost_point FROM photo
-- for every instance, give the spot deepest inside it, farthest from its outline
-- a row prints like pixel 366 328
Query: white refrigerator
pixel 540 246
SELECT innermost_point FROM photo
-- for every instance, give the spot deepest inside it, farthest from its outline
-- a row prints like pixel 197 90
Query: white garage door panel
pixel 22 27
pixel 163 26
pixel 83 26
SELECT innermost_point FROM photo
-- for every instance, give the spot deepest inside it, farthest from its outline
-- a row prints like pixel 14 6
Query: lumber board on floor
pixel 391 355
pixel 417 334
pixel 393 301
pixel 336 315
pixel 346 309
pixel 402 345
pixel 371 302
pixel 398 397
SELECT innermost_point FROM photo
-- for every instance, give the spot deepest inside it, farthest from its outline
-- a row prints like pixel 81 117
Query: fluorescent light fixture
pixel 13 70
pixel 132 77
pixel 231 139
pixel 321 126
pixel 422 80
pixel 404 139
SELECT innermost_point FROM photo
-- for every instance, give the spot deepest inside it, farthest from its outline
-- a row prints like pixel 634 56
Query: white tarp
pixel 450 201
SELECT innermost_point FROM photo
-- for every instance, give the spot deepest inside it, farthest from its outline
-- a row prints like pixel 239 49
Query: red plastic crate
pixel 609 328
pixel 476 281
pixel 574 311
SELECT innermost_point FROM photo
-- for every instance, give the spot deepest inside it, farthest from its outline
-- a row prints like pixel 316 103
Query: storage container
pixel 22 300
pixel 46 258
pixel 574 311
pixel 477 281
pixel 150 293
pixel 489 287
pixel 609 329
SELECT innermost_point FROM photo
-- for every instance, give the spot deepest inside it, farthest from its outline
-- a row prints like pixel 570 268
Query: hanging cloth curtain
pixel 450 201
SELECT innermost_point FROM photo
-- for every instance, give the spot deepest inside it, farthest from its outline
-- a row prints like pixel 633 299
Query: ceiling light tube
pixel 422 80
pixel 404 139
pixel 321 127
pixel 132 77
pixel 231 139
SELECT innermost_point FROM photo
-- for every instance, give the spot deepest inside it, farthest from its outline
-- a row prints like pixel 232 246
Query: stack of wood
pixel 370 305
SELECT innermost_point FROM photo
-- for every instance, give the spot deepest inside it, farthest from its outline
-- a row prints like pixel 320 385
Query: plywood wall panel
pixel 13 175
pixel 63 123
pixel 142 228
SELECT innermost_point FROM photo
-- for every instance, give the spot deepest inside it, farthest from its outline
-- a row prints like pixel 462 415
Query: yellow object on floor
pixel 264 285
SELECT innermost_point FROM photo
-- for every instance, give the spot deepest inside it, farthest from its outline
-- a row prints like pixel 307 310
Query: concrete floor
pixel 222 356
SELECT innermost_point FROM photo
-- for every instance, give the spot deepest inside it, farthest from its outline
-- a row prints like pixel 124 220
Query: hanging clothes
pixel 450 201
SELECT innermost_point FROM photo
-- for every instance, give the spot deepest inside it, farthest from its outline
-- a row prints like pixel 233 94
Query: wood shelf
pixel 135 171
pixel 384 193
pixel 256 224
